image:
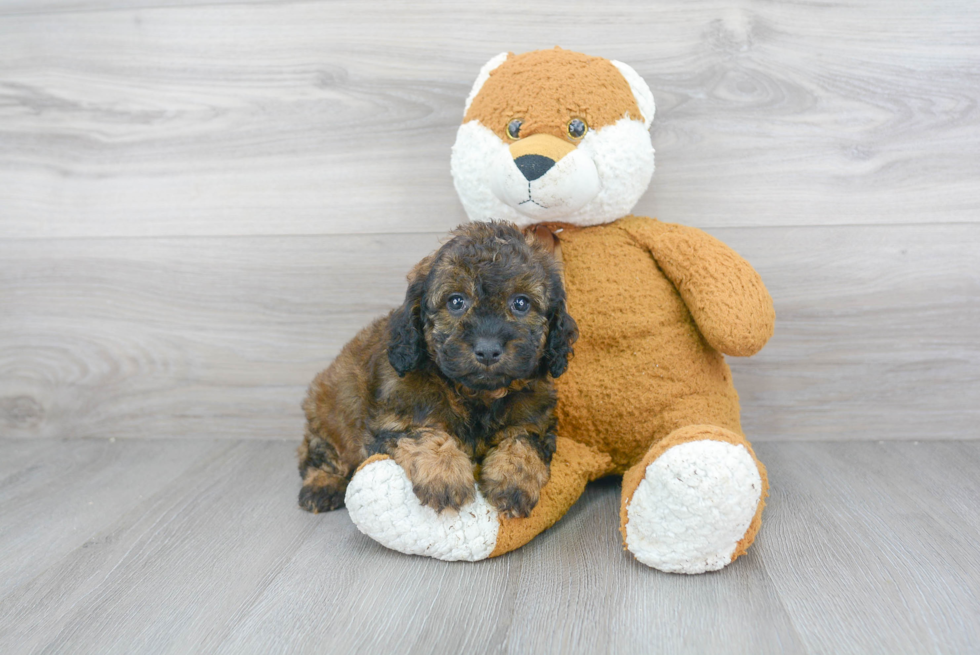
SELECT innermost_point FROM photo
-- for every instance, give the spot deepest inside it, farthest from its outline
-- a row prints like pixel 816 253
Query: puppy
pixel 458 378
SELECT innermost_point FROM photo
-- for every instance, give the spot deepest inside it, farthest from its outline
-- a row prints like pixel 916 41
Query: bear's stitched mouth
pixel 531 199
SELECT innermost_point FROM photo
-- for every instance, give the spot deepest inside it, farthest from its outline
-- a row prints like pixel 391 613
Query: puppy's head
pixel 554 135
pixel 488 308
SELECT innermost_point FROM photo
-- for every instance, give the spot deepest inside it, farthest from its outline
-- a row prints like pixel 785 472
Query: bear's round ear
pixel 483 77
pixel 642 93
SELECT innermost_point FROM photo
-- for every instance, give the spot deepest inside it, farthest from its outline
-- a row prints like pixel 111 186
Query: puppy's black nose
pixel 534 166
pixel 487 350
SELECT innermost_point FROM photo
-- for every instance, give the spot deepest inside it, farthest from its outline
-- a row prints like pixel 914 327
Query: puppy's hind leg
pixel 324 485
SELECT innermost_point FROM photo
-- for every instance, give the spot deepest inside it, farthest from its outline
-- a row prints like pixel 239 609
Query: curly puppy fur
pixel 459 375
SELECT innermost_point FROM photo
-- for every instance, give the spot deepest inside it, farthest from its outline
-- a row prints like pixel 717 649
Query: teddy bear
pixel 558 142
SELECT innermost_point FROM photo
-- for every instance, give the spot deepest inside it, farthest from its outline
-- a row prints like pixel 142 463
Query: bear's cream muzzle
pixel 544 177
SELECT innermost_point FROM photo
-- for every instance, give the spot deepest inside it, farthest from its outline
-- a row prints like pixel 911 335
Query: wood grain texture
pixel 877 535
pixel 76 491
pixel 184 337
pixel 204 337
pixel 876 333
pixel 865 547
pixel 185 118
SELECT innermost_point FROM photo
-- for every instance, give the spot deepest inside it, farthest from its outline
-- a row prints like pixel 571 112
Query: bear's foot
pixel 693 507
pixel 382 504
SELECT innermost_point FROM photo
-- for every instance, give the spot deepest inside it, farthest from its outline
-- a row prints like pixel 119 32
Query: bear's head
pixel 554 136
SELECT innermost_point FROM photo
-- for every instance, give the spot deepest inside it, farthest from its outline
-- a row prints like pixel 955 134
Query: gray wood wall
pixel 201 200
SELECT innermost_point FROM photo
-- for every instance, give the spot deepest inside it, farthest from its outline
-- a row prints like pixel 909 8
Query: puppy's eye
pixel 456 303
pixel 520 304
pixel 577 128
pixel 514 128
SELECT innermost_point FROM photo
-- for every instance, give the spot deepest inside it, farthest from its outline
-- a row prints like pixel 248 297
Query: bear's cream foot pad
pixel 383 506
pixel 693 506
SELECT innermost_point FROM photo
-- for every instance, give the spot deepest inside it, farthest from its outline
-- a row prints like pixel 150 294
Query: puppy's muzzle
pixel 488 350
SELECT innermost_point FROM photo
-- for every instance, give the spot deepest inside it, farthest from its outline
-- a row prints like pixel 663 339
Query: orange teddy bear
pixel 558 142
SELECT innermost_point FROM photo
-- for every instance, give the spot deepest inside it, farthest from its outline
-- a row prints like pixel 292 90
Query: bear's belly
pixel 641 367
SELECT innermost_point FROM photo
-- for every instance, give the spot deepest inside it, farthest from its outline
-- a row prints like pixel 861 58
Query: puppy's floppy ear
pixel 406 339
pixel 562 331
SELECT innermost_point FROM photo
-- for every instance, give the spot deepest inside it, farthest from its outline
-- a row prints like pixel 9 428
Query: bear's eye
pixel 514 128
pixel 577 128
pixel 456 303
pixel 520 304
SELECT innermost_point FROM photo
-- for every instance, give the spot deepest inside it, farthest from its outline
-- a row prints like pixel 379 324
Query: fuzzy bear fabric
pixel 645 365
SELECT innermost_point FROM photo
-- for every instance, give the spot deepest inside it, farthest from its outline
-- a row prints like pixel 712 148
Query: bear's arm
pixel 724 294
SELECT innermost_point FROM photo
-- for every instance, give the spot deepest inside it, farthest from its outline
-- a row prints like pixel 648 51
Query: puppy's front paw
pixel 512 477
pixel 511 500
pixel 441 473
pixel 441 492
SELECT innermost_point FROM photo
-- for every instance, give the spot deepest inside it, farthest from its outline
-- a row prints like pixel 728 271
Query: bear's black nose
pixel 487 350
pixel 534 166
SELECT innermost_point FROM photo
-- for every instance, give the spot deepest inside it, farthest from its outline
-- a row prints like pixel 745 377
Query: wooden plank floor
pixel 179 546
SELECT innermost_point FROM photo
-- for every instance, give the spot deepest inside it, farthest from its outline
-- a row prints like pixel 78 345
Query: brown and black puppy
pixel 459 376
